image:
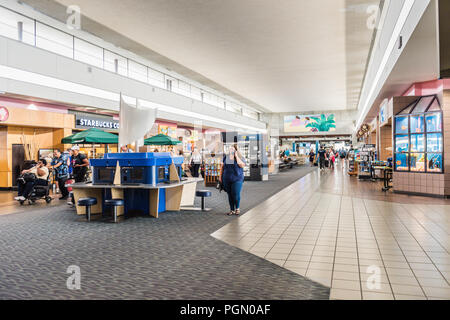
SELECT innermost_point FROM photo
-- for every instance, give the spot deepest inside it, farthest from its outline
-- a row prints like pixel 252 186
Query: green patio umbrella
pixel 92 135
pixel 161 140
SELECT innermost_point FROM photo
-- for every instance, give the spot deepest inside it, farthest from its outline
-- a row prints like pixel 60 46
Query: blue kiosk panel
pixel 136 168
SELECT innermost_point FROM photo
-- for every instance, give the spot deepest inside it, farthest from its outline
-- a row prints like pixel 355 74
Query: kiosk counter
pixel 149 183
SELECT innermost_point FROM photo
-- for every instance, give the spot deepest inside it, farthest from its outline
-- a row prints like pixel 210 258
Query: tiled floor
pixel 350 236
pixel 9 206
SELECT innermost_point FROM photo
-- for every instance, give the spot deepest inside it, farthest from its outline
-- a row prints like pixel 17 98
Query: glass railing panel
pixel 137 71
pixel 53 40
pixel 88 53
pixel 116 63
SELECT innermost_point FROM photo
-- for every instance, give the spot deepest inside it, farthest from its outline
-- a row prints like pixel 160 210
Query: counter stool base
pixel 93 217
pixel 194 209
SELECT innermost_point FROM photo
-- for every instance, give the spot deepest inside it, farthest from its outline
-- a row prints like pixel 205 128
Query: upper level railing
pixel 19 27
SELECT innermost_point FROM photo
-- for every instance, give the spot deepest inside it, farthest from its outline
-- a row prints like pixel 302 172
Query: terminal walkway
pixel 339 231
pixel 172 257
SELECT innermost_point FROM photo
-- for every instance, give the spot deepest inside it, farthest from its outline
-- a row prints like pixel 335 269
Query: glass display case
pixel 418 139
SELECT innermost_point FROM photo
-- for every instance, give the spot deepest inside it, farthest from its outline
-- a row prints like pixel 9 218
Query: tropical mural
pixel 310 123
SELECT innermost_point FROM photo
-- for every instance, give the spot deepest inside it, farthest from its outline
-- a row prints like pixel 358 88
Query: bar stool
pixel 115 203
pixel 87 202
pixel 203 194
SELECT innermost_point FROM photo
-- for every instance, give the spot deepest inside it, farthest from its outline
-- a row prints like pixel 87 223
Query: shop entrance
pixel 18 158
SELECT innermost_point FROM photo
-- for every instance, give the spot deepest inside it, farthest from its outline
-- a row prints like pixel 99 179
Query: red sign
pixel 4 114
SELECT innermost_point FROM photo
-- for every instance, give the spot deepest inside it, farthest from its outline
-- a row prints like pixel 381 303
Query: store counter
pixel 139 198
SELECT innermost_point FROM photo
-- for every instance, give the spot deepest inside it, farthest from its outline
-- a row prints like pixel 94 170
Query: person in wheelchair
pixel 36 176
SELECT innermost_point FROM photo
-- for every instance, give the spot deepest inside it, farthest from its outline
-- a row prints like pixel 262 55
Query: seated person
pixel 41 172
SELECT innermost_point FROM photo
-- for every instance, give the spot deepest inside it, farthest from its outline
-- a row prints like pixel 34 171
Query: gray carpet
pixel 173 257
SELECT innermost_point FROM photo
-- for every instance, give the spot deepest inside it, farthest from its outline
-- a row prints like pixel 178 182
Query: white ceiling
pixel 285 55
pixel 423 47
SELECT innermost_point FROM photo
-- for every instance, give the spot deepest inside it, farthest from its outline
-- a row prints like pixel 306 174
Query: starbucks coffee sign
pixel 93 123
pixel 89 120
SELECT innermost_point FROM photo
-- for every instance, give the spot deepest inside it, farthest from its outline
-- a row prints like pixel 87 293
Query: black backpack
pixel 28 177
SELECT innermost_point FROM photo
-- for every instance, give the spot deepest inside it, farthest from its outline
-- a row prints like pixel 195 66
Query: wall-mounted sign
pixel 95 123
pixel 168 130
pixel 4 114
pixel 383 112
pixel 88 120
pixel 310 123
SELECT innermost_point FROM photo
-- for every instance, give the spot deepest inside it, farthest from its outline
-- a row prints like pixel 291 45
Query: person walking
pixel 322 157
pixel 232 178
pixel 61 170
pixel 312 155
pixel 196 161
pixel 68 158
pixel 125 149
pixel 332 159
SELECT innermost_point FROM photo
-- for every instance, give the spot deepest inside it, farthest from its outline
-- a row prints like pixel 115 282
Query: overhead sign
pixel 383 112
pixel 93 123
pixel 88 120
pixel 4 114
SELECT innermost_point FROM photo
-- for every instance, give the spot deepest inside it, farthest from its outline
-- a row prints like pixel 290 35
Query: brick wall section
pixel 385 141
pixel 426 183
pixel 446 112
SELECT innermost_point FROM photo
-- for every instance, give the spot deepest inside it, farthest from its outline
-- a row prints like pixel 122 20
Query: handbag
pixel 220 186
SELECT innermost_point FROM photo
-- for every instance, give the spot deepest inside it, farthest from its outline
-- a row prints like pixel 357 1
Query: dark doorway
pixel 18 158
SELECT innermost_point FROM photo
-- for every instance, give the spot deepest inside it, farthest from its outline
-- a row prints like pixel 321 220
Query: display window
pixel 401 162
pixel 434 122
pixel 418 137
pixel 417 124
pixel 417 143
pixel 417 162
pixel 423 104
pixel 434 142
pixel 434 162
pixel 401 125
pixel 402 143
